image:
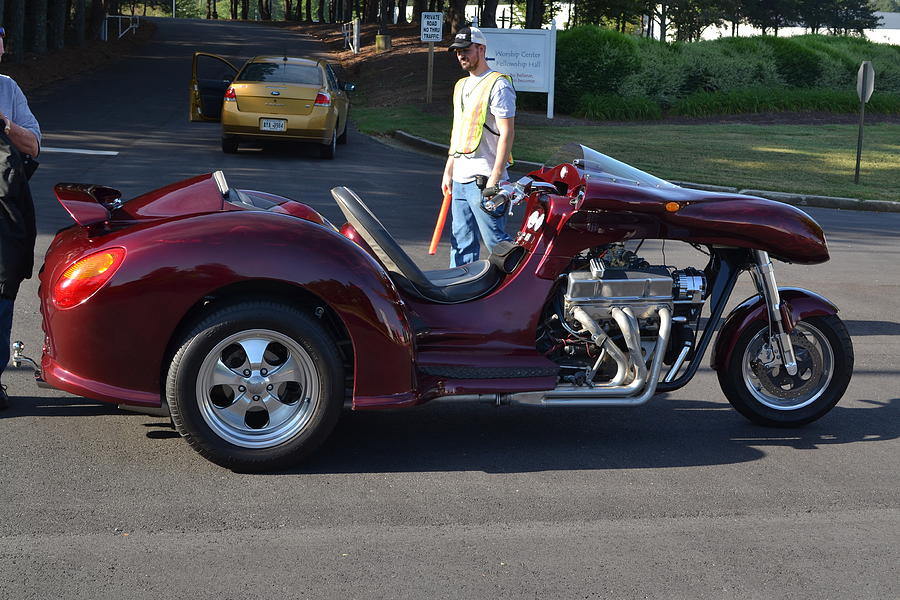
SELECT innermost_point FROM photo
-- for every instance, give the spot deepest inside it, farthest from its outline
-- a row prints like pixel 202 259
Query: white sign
pixel 865 74
pixel 526 55
pixel 432 26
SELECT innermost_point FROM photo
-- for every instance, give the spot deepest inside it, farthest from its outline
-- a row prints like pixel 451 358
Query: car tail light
pixel 85 276
pixel 230 96
pixel 323 99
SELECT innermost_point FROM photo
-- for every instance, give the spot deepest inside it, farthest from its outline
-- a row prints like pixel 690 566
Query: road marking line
pixel 79 151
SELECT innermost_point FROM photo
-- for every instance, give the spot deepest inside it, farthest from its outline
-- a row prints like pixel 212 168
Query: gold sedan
pixel 271 98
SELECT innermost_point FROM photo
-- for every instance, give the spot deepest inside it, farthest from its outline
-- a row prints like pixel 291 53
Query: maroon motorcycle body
pixel 504 329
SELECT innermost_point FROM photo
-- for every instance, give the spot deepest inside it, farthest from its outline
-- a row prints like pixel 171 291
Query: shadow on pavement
pixel 666 433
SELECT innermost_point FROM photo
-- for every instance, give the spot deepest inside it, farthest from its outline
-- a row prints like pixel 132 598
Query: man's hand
pixel 447 180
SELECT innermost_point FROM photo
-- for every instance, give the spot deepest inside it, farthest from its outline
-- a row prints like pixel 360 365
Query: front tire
pixel 768 395
pixel 256 386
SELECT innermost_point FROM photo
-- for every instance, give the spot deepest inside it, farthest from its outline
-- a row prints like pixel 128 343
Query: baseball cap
pixel 467 36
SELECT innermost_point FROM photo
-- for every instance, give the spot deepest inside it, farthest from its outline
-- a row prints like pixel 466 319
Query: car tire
pixel 256 386
pixel 342 139
pixel 329 149
pixel 229 145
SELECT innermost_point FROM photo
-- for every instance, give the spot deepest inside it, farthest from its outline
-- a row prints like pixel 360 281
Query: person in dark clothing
pixel 17 236
pixel 19 135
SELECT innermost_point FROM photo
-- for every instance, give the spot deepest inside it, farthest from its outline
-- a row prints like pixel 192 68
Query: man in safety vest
pixel 484 110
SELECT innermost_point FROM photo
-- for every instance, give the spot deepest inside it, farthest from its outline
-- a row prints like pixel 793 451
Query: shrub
pixel 755 100
pixel 727 64
pixel 611 107
pixel 797 65
pixel 591 59
pixel 660 76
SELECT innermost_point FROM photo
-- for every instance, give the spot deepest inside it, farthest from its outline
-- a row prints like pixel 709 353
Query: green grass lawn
pixel 807 159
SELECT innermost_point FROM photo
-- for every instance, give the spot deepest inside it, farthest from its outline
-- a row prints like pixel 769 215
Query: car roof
pixel 291 60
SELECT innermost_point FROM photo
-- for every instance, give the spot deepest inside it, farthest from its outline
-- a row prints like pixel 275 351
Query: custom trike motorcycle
pixel 252 319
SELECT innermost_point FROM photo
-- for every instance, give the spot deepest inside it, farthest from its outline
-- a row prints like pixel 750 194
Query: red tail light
pixel 84 277
pixel 230 96
pixel 323 99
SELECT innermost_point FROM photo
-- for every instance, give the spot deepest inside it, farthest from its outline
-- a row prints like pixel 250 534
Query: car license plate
pixel 272 125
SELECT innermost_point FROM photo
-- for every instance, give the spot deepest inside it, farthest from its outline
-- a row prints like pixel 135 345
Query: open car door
pixel 210 77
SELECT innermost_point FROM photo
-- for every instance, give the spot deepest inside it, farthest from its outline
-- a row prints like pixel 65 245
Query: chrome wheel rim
pixel 771 385
pixel 257 389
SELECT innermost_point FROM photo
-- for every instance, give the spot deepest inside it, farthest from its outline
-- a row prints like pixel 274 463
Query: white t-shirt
pixel 502 104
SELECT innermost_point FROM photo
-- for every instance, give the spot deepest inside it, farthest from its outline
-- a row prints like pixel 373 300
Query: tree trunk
pixel 401 12
pixel 418 9
pixel 534 14
pixel 56 25
pixel 36 26
pixel 320 11
pixel 265 11
pixel 457 15
pixel 78 23
pixel 489 14
pixel 371 11
pixel 15 32
pixel 662 22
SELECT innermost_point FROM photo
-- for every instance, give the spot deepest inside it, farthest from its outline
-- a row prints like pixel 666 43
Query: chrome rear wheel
pixel 256 386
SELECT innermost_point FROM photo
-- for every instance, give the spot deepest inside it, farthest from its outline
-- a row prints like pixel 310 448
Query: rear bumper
pixel 314 127
pixel 56 376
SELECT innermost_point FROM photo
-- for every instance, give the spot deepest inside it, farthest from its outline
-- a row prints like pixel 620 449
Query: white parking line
pixel 79 151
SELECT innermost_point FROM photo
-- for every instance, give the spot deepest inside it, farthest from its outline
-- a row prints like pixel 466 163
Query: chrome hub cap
pixel 257 388
pixel 771 384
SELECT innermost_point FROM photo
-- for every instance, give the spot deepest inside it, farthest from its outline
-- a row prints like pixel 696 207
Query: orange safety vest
pixel 470 114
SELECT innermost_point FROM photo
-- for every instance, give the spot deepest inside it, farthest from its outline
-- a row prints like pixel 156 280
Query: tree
pixel 56 24
pixel 772 14
pixel 853 16
pixel 691 17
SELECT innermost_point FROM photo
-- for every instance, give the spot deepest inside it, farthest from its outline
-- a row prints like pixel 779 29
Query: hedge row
pixel 601 73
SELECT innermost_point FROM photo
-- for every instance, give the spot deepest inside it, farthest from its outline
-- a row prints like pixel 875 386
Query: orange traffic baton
pixel 439 226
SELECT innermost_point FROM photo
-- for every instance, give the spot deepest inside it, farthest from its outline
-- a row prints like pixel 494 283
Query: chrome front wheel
pixel 761 389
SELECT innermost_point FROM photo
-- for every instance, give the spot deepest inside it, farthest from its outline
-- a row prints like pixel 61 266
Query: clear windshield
pixel 597 165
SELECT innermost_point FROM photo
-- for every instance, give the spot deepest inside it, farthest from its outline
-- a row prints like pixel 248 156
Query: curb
pixel 523 166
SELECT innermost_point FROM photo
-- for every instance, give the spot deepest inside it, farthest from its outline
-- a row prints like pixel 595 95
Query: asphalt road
pixel 680 498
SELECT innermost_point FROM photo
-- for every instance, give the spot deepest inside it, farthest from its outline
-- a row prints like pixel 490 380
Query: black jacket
pixel 17 227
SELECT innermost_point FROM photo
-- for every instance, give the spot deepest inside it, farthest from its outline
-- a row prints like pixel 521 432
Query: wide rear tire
pixel 769 395
pixel 328 150
pixel 256 386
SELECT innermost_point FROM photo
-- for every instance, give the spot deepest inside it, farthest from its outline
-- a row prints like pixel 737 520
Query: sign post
pixel 432 31
pixel 865 85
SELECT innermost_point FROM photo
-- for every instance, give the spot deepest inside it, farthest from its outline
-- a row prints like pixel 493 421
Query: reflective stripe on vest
pixel 469 114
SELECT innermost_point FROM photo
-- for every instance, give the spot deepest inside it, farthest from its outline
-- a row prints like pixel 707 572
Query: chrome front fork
pixel 764 278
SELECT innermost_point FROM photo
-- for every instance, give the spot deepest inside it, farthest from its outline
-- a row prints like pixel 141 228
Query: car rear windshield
pixel 282 73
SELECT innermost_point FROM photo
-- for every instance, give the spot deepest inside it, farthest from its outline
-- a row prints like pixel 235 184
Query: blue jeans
pixel 468 221
pixel 6 318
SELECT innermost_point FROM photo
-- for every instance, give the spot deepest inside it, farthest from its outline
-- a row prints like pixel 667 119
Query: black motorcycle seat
pixel 449 286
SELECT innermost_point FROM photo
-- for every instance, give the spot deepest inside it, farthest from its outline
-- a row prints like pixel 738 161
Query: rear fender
pixel 798 304
pixel 172 266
